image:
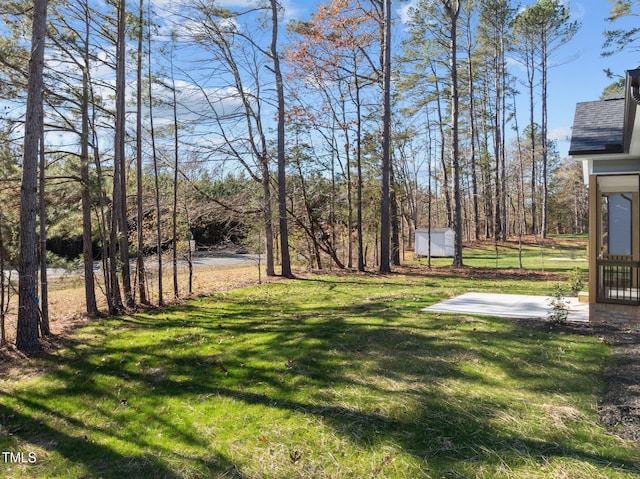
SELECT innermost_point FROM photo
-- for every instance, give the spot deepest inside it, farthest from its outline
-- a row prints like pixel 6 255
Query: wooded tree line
pixel 326 141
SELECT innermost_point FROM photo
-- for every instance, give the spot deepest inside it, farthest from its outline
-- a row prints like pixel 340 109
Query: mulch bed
pixel 619 407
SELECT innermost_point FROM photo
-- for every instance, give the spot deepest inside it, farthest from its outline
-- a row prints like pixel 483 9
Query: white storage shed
pixel 442 241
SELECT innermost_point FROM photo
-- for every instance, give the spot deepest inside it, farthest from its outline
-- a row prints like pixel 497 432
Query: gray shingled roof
pixel 598 127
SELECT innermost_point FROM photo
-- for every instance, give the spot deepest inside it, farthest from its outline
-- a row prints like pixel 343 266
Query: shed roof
pixel 434 230
pixel 598 127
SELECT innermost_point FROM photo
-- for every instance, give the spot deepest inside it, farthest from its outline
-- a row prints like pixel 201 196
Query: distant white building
pixel 442 242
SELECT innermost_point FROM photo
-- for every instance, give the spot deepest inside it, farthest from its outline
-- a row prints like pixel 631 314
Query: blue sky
pixel 577 72
pixel 578 75
pixel 577 68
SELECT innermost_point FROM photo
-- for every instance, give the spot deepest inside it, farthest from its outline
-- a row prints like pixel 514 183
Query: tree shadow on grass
pixel 83 455
pixel 277 354
pixel 444 434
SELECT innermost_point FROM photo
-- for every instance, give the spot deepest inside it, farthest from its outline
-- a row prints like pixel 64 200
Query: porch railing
pixel 618 280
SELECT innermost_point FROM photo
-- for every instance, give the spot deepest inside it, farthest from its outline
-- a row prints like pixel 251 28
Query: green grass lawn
pixel 326 377
pixel 557 254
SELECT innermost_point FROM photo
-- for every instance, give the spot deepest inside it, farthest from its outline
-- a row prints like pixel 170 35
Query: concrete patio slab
pixel 508 306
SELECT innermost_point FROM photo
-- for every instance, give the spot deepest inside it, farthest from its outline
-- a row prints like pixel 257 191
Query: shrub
pixel 576 281
pixel 559 306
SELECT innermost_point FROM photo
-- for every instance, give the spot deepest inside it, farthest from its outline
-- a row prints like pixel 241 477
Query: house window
pixel 616 224
pixel 618 205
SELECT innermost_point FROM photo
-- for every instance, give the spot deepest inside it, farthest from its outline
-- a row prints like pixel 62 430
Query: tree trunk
pixel 174 213
pixel 473 136
pixel 4 300
pixel 443 164
pixel 395 220
pixel 501 106
pixel 87 237
pixel 385 206
pixel 27 328
pixel 311 231
pixel 116 239
pixel 119 157
pixel 545 152
pixel 282 176
pixel 497 146
pixel 361 255
pixel 156 173
pixel 140 270
pixel 533 180
pixel 429 200
pixel 44 287
pixel 453 11
pixel 268 218
pixel 349 184
pixel 103 221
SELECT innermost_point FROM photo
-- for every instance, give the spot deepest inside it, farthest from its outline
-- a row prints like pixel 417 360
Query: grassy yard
pixel 337 376
pixel 555 254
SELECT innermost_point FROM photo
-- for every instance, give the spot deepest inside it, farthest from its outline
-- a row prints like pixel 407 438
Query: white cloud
pixel 404 11
pixel 560 134
pixel 196 103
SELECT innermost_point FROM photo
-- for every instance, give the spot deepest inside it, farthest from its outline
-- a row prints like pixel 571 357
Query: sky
pixel 578 74
pixel 577 69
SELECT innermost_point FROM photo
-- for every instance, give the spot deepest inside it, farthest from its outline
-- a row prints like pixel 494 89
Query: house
pixel 606 137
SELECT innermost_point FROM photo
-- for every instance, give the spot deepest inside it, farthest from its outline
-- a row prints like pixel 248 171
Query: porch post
pixel 594 231
pixel 635 225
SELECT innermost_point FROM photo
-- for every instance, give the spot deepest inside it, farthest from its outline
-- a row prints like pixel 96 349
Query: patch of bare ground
pixel 480 273
pixel 67 303
pixel 619 406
